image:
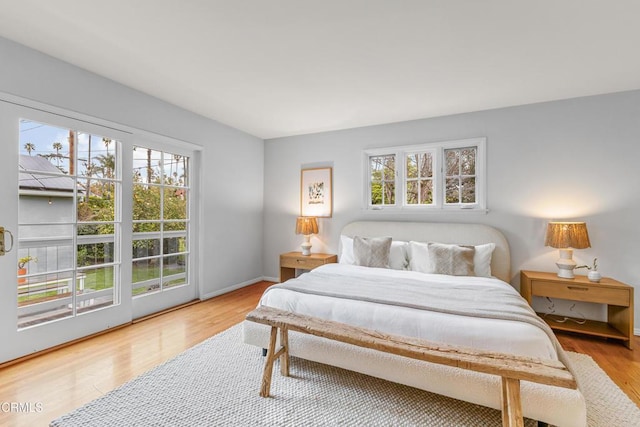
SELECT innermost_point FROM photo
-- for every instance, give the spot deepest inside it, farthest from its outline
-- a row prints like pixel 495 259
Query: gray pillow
pixel 372 251
pixel 454 260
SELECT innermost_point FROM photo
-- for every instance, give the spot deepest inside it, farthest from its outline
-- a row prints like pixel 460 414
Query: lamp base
pixel 566 264
pixel 306 246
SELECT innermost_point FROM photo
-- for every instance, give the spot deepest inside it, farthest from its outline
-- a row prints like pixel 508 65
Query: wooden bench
pixel 512 369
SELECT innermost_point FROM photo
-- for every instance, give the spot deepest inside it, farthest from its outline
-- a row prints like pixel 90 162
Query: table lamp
pixel 567 236
pixel 306 225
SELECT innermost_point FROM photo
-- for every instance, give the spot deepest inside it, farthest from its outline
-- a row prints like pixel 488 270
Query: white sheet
pixel 480 333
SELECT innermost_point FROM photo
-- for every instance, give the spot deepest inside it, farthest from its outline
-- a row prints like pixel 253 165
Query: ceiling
pixel 286 67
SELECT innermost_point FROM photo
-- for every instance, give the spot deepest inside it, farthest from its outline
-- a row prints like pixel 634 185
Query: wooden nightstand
pixel 616 295
pixel 292 260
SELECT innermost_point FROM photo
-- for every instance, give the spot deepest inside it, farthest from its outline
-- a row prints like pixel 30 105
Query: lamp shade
pixel 306 225
pixel 567 235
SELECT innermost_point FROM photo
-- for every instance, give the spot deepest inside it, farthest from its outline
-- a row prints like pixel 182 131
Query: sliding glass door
pixel 101 223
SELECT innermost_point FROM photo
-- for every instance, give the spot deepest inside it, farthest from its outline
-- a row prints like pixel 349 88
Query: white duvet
pixel 507 336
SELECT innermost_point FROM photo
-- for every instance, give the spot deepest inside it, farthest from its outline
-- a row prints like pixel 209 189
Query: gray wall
pixel 575 159
pixel 231 193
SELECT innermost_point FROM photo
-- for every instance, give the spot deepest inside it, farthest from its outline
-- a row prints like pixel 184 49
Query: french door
pixel 100 224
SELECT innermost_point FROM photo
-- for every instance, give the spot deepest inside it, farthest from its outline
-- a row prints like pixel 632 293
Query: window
pixel 435 176
pixel 160 220
pixel 68 247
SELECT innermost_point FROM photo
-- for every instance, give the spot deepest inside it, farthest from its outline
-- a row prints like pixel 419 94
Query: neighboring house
pixel 45 198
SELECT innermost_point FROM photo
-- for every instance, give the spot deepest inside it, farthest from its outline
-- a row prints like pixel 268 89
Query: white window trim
pixel 437 149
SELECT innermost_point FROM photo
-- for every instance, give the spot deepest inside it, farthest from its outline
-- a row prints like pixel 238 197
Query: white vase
pixel 594 276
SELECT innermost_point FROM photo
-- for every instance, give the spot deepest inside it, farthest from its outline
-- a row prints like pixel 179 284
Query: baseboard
pixel 636 331
pixel 235 287
pixel 271 279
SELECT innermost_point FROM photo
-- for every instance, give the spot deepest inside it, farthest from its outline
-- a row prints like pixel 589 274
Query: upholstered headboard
pixel 453 233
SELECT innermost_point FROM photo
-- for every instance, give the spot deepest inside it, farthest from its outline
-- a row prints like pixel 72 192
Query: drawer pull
pixel 577 288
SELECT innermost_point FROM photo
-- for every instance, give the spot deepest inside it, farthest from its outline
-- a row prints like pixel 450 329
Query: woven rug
pixel 216 383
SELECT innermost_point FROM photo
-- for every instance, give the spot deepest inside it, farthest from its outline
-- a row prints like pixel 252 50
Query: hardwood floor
pixel 69 377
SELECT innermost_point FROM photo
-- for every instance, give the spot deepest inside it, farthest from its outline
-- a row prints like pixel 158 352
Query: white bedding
pixel 498 335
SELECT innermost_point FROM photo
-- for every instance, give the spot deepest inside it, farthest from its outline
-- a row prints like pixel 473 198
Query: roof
pixel 30 179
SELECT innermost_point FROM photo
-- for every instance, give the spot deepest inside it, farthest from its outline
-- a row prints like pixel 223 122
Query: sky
pixel 43 136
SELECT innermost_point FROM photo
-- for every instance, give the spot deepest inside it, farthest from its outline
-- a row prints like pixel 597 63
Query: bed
pixel 478 312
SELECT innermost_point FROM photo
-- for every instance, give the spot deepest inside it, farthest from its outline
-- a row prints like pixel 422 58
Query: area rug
pixel 216 383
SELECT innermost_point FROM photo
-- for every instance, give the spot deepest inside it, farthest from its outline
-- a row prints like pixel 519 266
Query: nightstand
pixel 616 295
pixel 292 260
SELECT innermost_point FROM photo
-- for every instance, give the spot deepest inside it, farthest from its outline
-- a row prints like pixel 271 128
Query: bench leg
pixel 268 364
pixel 284 357
pixel 511 404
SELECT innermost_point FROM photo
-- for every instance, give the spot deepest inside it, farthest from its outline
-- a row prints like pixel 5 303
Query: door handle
pixel 3 248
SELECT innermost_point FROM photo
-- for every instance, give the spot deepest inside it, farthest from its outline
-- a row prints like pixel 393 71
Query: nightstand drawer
pixel 579 292
pixel 302 262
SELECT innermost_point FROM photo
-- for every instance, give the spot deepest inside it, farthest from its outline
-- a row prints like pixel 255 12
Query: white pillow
pixel 482 259
pixel 419 258
pixel 398 255
pixel 346 251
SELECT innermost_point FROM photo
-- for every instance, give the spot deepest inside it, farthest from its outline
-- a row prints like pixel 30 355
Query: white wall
pixel 231 192
pixel 575 159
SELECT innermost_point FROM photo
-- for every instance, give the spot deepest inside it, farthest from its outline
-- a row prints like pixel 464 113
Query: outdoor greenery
pixel 159 202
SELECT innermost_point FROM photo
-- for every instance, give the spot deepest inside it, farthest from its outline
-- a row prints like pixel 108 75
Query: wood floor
pixel 69 377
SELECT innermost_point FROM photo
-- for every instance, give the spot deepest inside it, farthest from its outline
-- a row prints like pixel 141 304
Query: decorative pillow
pixel 419 258
pixel 454 260
pixel 398 254
pixel 372 252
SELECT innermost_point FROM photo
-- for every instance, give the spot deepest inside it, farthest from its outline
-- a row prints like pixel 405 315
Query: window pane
pixel 174 271
pixel 96 156
pixel 45 148
pixel 452 158
pixel 389 193
pixel 51 186
pixel 175 226
pixel 174 245
pixel 376 193
pixel 468 190
pixel 95 279
pixel 175 203
pixel 145 227
pixel 426 165
pixel 44 287
pixel 96 203
pixel 452 192
pixel 426 192
pixel 389 167
pixel 146 276
pixel 146 202
pixel 146 247
pixel 96 253
pixel 412 193
pixel 175 169
pixel 412 166
pixel 376 166
pixel 146 165
pixel 468 161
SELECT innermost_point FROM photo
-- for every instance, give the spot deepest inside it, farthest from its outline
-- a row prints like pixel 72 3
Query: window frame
pixel 437 150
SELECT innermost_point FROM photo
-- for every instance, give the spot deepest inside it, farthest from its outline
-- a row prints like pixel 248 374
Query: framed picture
pixel 316 192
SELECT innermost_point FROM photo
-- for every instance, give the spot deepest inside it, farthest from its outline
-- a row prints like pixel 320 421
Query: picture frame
pixel 316 192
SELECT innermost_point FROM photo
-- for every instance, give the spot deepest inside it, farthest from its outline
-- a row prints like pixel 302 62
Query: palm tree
pixel 107 143
pixel 29 146
pixel 57 146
